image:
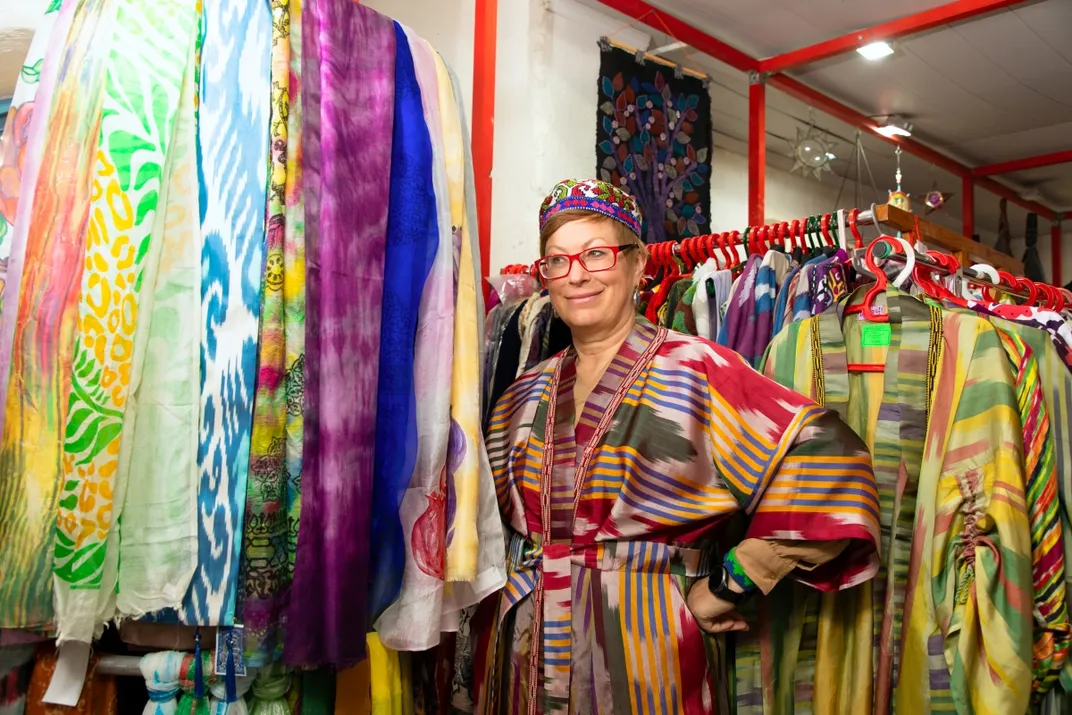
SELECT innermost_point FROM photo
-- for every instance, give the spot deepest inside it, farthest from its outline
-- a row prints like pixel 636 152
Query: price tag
pixel 233 641
pixel 69 676
pixel 875 335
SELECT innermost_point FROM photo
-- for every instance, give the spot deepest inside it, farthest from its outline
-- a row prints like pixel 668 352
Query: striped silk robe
pixel 678 436
pixel 946 625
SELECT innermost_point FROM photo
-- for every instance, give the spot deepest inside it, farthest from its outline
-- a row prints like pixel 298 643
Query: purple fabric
pixel 348 125
pixel 739 326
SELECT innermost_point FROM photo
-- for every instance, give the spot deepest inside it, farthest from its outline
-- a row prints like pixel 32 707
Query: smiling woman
pixel 619 465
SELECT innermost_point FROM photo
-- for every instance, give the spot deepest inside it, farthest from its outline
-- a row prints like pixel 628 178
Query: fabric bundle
pixel 162 672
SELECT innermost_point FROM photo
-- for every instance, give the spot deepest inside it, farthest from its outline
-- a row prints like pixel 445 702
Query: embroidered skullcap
pixel 592 195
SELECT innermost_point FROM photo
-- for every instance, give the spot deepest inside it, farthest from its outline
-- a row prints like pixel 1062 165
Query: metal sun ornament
pixel 813 151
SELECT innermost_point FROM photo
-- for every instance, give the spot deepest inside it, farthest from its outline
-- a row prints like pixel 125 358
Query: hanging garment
pixel 489 573
pixel 265 567
pixel 943 425
pixel 15 139
pixel 133 159
pixel 237 48
pixel 412 622
pixel 737 328
pixel 268 693
pixel 294 298
pixel 42 299
pixel 465 447
pixel 99 694
pixel 16 668
pixel 412 241
pixel 326 616
pixel 157 544
pixel 598 582
pixel 1047 559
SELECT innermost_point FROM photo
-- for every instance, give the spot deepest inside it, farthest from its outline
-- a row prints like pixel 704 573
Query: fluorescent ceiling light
pixel 876 50
pixel 895 127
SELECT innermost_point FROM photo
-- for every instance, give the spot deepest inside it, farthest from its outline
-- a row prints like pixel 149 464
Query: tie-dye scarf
pixel 132 160
pixel 49 240
pixel 233 150
pixel 265 572
pixel 347 174
pixel 412 239
pixel 158 531
pixel 16 135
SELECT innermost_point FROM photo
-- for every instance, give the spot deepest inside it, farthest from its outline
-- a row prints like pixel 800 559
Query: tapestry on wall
pixel 653 137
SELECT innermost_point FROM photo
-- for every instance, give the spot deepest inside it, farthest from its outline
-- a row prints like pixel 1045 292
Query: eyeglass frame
pixel 576 258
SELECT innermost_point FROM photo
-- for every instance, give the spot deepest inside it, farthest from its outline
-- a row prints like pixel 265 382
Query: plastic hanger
pixel 824 225
pixel 910 262
pixel 853 216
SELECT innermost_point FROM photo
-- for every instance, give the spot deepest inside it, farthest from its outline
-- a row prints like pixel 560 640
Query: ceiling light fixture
pixel 876 50
pixel 895 126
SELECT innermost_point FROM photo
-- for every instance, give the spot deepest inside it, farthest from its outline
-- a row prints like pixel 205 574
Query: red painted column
pixel 485 35
pixel 757 150
pixel 968 206
pixel 1055 253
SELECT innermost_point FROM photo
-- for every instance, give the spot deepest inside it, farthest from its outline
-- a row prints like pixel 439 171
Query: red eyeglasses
pixel 593 260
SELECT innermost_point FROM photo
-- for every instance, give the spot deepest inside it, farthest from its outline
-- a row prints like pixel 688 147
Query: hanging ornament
pixel 813 150
pixel 936 198
pixel 899 198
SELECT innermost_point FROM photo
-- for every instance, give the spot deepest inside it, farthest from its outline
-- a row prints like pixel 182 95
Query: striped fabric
pixel 1047 558
pixel 947 624
pixel 612 520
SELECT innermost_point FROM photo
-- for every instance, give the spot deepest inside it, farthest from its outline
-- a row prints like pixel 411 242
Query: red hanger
pixel 853 215
pixel 824 225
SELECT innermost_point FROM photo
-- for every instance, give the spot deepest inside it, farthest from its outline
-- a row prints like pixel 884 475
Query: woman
pixel 619 465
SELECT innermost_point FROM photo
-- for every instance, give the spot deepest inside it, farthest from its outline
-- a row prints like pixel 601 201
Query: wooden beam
pixel 942 237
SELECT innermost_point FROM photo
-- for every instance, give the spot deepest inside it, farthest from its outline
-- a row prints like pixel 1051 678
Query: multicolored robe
pixel 613 518
pixel 946 624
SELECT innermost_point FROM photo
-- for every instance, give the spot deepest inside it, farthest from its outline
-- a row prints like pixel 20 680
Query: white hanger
pixel 988 271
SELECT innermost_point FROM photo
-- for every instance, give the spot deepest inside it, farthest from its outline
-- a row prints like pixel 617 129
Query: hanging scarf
pixel 15 141
pixel 158 532
pixel 132 160
pixel 264 541
pixel 49 241
pixel 294 297
pixel 161 672
pixel 412 621
pixel 465 444
pixel 270 691
pixel 348 175
pixel 412 239
pixel 318 692
pixel 233 144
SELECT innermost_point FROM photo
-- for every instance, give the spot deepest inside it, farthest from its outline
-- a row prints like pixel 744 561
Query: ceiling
pixel 986 90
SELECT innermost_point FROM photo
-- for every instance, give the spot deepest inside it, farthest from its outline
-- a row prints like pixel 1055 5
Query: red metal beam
pixel 683 32
pixel 967 206
pixel 1031 162
pixel 757 153
pixel 1055 254
pixel 483 139
pixel 850 116
pixel 910 25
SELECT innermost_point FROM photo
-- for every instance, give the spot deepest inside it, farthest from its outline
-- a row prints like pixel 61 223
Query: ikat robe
pixel 613 519
pixel 946 625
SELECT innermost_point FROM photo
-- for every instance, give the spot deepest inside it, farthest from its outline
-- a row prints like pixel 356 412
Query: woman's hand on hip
pixel 712 614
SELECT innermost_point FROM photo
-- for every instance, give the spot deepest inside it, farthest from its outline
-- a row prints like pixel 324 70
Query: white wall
pixel 447 24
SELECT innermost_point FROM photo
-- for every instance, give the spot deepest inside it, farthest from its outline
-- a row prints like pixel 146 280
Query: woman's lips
pixel 587 298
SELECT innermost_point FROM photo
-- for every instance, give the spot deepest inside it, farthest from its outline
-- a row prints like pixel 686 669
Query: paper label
pixel 232 640
pixel 66 685
pixel 875 335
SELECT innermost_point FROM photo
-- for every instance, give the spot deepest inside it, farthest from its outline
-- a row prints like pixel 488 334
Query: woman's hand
pixel 712 614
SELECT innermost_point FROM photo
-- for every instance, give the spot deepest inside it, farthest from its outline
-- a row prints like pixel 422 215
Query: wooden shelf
pixel 963 248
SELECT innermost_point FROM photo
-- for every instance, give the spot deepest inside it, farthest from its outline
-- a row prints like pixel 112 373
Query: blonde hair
pixel 622 233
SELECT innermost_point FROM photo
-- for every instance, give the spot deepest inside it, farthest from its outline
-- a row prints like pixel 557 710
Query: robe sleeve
pixel 796 469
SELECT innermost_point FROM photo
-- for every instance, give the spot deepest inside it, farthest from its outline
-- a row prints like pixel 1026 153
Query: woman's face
pixel 586 300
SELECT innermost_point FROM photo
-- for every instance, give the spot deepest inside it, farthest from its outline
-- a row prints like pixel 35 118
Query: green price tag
pixel 875 335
